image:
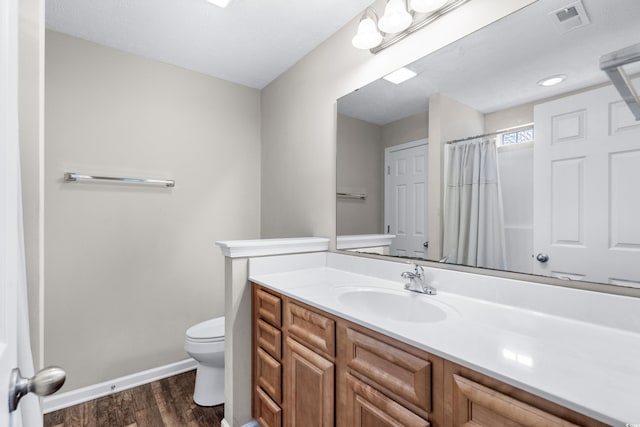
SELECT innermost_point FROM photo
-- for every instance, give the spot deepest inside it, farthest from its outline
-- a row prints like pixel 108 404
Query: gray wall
pixel 360 168
pixel 299 120
pixel 129 268
pixel 405 130
pixel 360 161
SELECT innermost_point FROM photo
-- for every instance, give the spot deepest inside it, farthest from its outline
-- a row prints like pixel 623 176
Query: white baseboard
pixel 74 397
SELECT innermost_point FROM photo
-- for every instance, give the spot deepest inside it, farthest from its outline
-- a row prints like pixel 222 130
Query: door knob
pixel 542 257
pixel 425 244
pixel 45 382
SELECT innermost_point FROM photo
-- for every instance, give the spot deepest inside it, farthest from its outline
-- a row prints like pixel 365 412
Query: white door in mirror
pixel 586 208
pixel 406 198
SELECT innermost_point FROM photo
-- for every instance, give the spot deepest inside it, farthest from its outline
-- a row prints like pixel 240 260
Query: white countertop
pixel 579 349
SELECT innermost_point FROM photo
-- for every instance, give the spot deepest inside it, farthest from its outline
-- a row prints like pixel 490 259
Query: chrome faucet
pixel 417 281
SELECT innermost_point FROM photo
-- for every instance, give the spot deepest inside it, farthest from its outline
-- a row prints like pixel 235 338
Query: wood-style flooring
pixel 164 403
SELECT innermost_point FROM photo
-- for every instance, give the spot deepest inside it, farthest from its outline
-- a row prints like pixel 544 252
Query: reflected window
pixel 516 137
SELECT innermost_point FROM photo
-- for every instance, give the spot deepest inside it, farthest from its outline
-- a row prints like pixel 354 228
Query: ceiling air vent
pixel 570 17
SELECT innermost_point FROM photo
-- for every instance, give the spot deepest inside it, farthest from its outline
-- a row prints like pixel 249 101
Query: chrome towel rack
pixel 361 196
pixel 72 177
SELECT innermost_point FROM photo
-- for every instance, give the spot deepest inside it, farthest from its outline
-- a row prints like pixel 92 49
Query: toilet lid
pixel 211 330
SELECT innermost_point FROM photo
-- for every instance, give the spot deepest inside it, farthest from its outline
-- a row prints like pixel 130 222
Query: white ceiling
pixel 499 66
pixel 248 42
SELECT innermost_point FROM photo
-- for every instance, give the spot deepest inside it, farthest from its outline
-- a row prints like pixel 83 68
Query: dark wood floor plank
pixel 149 417
pixel 54 419
pixel 90 409
pixel 143 398
pixel 164 403
pixel 74 416
pixel 123 410
pixel 181 387
pixel 103 411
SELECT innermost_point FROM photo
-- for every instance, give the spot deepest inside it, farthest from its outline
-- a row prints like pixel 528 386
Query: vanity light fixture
pixel 400 18
pixel 552 80
pixel 368 35
pixel 400 75
pixel 221 3
pixel 396 18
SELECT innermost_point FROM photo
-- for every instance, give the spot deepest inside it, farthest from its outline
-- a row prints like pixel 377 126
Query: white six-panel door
pixel 587 189
pixel 406 198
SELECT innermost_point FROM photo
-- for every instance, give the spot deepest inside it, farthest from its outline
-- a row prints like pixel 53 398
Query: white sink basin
pixel 401 306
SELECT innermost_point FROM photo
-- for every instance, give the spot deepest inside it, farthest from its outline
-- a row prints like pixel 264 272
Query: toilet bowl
pixel 205 343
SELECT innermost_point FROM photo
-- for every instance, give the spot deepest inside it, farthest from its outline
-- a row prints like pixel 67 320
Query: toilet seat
pixel 208 331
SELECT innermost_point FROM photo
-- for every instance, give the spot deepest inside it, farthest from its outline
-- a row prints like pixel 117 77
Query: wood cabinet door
pixel 367 407
pixel 309 387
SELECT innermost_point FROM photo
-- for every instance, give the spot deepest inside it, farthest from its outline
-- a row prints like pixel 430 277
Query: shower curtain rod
pixel 528 125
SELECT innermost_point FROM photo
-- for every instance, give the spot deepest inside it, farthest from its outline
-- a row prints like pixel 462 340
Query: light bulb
pixel 368 35
pixel 425 6
pixel 395 18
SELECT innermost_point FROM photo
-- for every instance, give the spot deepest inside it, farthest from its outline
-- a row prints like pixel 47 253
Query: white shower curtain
pixel 473 216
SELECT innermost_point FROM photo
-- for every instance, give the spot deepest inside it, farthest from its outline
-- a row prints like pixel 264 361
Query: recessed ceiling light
pixel 400 75
pixel 553 80
pixel 221 3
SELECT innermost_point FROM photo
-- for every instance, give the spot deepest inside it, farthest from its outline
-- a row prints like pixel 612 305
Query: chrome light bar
pixel 612 64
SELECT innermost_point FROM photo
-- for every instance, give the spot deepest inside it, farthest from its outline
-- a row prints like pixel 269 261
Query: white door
pixel 9 243
pixel 406 198
pixel 587 187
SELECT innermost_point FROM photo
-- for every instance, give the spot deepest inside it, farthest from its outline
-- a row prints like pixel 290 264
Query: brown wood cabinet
pixel 312 368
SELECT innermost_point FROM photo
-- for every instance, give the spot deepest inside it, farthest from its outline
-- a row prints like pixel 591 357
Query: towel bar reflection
pixel 72 176
pixel 361 196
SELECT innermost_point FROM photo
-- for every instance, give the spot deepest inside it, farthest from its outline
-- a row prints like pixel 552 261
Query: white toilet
pixel 205 343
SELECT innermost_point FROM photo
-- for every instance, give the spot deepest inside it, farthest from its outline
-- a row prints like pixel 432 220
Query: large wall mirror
pixel 510 149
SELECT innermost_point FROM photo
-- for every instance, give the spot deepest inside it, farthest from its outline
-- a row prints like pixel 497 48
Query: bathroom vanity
pixel 338 341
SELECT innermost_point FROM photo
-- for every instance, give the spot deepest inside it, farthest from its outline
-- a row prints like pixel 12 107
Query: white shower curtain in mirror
pixel 473 220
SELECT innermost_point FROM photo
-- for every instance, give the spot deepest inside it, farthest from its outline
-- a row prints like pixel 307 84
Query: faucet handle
pixel 419 271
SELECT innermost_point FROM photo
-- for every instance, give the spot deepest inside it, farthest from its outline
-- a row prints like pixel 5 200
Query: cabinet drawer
pixel 267 412
pixel 269 308
pixel 368 407
pixel 390 369
pixel 269 339
pixel 313 329
pixel 269 374
pixel 475 404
